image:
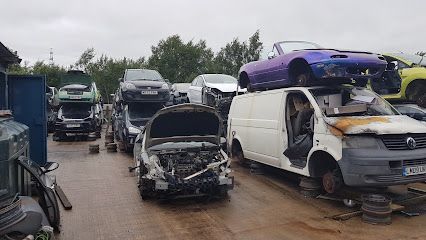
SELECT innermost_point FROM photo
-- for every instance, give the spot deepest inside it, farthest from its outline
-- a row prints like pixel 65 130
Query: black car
pixel 130 121
pixel 143 85
pixel 75 119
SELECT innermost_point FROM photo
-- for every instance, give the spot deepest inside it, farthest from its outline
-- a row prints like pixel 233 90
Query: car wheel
pixel 249 88
pixel 422 101
pixel 303 79
pixel 332 181
pixel 237 154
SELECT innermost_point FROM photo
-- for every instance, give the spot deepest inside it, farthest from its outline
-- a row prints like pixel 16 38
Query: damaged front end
pixel 184 159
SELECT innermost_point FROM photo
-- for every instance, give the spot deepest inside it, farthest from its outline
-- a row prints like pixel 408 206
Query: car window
pixel 401 65
pixel 220 78
pixel 142 74
pixel 294 46
pixel 275 50
pixel 194 82
pixel 200 82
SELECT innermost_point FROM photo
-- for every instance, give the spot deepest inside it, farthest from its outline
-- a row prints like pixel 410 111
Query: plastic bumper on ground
pixel 378 167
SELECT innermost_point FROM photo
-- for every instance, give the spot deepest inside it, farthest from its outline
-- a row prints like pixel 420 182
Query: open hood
pixel 184 123
pixel 75 77
pixel 396 124
pixel 225 87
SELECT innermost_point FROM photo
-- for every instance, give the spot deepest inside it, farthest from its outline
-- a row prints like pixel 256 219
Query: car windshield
pixel 416 59
pixel 140 111
pixel 294 46
pixel 414 112
pixel 142 74
pixel 220 78
pixel 352 101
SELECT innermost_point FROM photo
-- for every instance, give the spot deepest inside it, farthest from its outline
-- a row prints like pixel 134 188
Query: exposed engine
pixel 182 163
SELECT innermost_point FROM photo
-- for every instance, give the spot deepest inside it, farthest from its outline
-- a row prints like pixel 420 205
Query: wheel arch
pixel 412 84
pixel 297 66
pixel 319 162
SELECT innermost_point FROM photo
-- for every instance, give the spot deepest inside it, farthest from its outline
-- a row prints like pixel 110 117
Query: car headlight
pixel 133 130
pixel 165 86
pixel 128 86
pixel 360 142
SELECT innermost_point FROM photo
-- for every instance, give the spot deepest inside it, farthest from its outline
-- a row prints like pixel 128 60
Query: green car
pixel 76 86
pixel 412 69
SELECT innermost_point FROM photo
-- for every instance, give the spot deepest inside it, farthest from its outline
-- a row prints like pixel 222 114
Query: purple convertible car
pixel 304 63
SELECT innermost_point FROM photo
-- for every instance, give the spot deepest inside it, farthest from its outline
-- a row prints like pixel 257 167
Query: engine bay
pixel 183 163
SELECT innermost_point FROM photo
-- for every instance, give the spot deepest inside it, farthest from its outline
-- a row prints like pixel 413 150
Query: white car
pixel 207 88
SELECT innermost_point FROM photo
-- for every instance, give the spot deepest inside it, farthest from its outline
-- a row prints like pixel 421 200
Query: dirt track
pixel 107 205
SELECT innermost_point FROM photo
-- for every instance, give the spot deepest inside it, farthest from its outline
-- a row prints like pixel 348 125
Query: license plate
pixel 149 92
pixel 75 97
pixel 415 170
pixel 76 125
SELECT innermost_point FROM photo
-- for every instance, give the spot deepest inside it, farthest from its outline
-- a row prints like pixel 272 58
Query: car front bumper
pixel 84 127
pixel 135 95
pixel 380 167
pixel 341 68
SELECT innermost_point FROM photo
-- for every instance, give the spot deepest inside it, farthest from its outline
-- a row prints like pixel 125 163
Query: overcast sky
pixel 130 27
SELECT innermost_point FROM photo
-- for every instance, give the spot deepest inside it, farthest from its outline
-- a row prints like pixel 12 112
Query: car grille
pixel 414 162
pixel 399 142
pixel 147 87
pixel 399 179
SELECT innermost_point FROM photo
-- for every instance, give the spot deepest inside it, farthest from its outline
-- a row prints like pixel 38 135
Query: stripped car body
pixel 183 158
pixel 303 63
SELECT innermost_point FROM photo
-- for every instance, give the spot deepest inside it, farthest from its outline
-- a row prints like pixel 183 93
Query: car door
pixel 191 90
pixel 272 69
pixel 195 90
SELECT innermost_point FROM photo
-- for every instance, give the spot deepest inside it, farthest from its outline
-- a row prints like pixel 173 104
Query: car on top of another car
pixel 412 69
pixel 143 85
pixel 304 63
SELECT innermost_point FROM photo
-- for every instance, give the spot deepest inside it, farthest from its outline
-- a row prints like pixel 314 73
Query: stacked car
pixel 80 107
pixel 142 92
pixel 308 112
pixel 215 90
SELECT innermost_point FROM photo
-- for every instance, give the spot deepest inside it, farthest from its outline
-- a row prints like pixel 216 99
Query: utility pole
pixel 51 57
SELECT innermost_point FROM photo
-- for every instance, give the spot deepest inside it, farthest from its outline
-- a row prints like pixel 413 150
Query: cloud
pixel 130 27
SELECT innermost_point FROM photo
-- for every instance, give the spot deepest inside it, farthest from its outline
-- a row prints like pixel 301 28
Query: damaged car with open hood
pixel 338 134
pixel 181 154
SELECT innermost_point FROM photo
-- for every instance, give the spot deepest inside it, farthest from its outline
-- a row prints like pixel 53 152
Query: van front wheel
pixel 237 153
pixel 332 181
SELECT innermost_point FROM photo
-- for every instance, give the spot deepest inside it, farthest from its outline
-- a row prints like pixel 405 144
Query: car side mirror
pixel 50 166
pixel 120 79
pixel 271 55
pixel 393 65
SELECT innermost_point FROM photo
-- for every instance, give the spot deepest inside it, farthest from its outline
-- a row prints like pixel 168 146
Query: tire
pixel 249 88
pixel 332 181
pixel 303 79
pixel 422 101
pixel 237 154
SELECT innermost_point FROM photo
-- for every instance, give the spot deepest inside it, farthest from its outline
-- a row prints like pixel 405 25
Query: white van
pixel 342 134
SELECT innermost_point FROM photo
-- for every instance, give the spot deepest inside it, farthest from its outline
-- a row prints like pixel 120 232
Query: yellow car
pixel 412 69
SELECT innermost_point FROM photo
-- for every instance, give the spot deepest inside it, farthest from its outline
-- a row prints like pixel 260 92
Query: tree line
pixel 175 59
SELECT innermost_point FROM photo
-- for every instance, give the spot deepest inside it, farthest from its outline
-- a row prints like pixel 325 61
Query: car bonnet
pixel 183 123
